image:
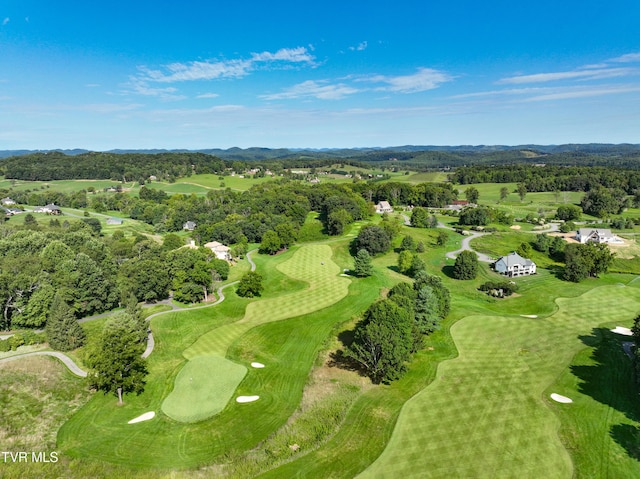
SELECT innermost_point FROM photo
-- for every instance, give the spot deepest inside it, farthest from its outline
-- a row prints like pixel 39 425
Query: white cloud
pixel 197 71
pixel 360 47
pixel 5 21
pixel 424 79
pixel 313 89
pixel 587 74
pixel 142 88
pixel 511 91
pixel 585 93
pixel 208 95
pixel 235 68
pixel 628 58
pixel 292 55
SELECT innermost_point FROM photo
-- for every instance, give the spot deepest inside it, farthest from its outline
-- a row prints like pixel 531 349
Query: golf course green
pixel 217 377
pixel 487 414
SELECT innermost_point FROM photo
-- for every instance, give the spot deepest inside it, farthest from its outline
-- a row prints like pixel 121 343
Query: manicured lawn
pixel 287 347
pixel 485 415
pixel 203 388
pixel 311 263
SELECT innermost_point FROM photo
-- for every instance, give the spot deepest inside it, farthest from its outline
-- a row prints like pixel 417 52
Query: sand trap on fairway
pixel 532 316
pixel 562 399
pixel 243 399
pixel 145 417
pixel 623 331
pixel 257 365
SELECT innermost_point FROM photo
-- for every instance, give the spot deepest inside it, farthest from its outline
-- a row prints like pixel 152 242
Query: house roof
pixel 217 246
pixel 51 206
pixel 583 232
pixel 513 259
pixel 384 204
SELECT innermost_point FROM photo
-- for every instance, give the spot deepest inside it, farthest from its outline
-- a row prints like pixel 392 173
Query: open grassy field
pixel 312 264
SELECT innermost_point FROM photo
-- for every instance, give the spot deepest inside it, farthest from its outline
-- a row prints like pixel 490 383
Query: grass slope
pixel 311 263
pixel 288 348
pixel 218 378
pixel 485 415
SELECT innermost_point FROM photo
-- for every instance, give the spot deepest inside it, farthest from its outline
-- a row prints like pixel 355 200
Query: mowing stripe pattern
pixel 487 415
pixel 310 263
pixel 217 377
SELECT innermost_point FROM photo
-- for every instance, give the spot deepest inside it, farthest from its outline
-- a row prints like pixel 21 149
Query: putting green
pixel 203 388
pixel 219 376
pixel 486 414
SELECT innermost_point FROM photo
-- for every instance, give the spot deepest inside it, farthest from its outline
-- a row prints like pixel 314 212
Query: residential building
pixel 513 265
pixel 596 235
pixel 221 251
pixel 384 207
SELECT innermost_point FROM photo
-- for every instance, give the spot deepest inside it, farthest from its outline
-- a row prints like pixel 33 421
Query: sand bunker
pixel 622 330
pixel 145 417
pixel 532 316
pixel 562 399
pixel 257 365
pixel 515 227
pixel 243 399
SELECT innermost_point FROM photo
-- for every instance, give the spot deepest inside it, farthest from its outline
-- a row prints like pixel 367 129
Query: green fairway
pixel 203 388
pixel 186 402
pixel 287 348
pixel 310 263
pixel 485 415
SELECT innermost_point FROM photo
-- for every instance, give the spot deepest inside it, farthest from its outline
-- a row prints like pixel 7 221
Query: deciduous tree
pixel 116 362
pixel 466 265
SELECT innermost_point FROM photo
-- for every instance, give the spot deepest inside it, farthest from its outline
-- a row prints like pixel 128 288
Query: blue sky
pixel 210 74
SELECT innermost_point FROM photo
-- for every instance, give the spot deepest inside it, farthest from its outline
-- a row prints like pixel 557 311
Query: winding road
pixel 466 246
pixel 75 369
pixel 66 360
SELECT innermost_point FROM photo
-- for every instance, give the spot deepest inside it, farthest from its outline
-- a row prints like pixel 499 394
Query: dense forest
pixel 123 165
pixel 550 177
pixel 138 167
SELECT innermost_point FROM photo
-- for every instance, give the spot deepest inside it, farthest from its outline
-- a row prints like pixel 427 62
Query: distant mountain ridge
pixel 258 153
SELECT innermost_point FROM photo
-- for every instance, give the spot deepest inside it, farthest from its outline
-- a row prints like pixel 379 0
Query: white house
pixel 50 209
pixel 8 201
pixel 514 265
pixel 189 226
pixel 221 251
pixel 384 207
pixel 596 235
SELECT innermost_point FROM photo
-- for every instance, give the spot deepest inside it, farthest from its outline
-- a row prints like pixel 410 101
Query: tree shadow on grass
pixel 339 359
pixel 448 271
pixel 611 381
pixel 557 271
pixel 628 436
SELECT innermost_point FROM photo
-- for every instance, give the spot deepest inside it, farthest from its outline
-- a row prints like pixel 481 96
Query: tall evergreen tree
pixel 362 264
pixel 62 330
